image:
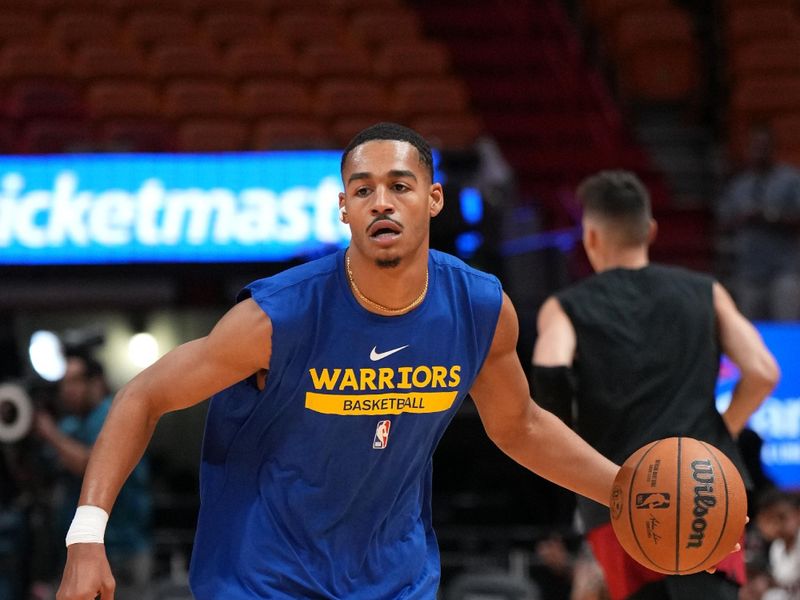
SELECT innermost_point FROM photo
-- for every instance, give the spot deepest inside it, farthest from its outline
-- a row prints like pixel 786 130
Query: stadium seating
pixel 767 56
pixel 266 64
pixel 169 60
pixel 202 8
pixel 54 136
pixel 605 13
pixel 259 59
pixel 144 28
pixel 302 27
pixel 8 136
pixel 656 54
pixel 328 59
pixel 122 99
pixel 275 97
pixel 184 99
pixel 226 28
pixel 429 95
pixel 32 60
pixel 453 131
pixel 30 99
pixel 763 68
pixel 343 129
pixel 403 58
pixel 137 134
pixel 374 27
pixel 760 22
pixel 760 100
pixel 69 28
pixel 277 133
pixel 336 98
pixel 212 135
pixel 15 25
pixel 787 136
pixel 105 60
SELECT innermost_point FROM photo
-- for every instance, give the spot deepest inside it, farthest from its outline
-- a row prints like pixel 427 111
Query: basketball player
pixel 637 346
pixel 333 382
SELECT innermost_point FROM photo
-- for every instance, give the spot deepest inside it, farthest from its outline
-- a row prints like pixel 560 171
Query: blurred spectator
pixel 85 401
pixel 573 575
pixel 25 482
pixel 778 521
pixel 558 562
pixel 760 209
pixel 588 582
pixel 14 538
pixel 759 584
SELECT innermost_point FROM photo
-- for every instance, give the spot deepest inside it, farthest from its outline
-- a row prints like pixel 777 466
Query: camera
pixel 16 413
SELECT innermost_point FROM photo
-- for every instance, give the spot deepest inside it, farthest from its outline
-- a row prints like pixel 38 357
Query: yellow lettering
pixel 439 373
pixel 455 377
pixel 380 404
pixel 325 379
pixel 349 380
pixel 426 376
pixel 385 377
pixel 404 384
pixel 367 379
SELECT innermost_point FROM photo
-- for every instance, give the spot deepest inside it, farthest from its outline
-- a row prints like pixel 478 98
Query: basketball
pixel 678 506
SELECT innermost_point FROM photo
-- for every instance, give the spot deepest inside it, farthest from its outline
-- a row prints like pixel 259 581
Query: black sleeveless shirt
pixel 646 363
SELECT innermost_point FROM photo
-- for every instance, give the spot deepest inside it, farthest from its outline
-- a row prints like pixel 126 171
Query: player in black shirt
pixel 631 355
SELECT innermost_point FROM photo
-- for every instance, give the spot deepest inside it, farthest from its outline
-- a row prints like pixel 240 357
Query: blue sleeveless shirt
pixel 319 486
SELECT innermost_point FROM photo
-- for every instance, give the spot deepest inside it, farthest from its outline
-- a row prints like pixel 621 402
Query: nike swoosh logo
pixel 375 355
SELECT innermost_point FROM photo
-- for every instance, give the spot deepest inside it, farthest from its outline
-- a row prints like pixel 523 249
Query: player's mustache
pixel 380 218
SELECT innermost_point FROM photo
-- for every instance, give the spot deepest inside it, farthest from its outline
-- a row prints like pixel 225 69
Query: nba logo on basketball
pixel 381 435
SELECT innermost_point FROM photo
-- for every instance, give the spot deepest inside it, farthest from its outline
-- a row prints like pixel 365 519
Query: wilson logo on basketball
pixel 703 474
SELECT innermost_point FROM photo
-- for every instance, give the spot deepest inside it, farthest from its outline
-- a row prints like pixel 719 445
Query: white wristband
pixel 88 526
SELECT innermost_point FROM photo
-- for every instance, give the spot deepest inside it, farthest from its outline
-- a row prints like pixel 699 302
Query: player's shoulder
pixel 580 287
pixel 679 273
pixel 296 277
pixel 447 263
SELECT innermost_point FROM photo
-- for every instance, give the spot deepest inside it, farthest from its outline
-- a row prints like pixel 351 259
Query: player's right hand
pixel 87 574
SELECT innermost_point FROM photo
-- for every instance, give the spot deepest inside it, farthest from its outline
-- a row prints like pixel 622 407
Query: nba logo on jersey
pixel 381 435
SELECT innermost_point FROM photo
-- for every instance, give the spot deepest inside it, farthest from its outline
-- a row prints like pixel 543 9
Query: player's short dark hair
pixel 620 198
pixel 393 132
pixel 92 367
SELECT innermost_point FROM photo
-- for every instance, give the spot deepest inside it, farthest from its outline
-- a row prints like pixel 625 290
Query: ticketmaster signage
pixel 777 421
pixel 118 208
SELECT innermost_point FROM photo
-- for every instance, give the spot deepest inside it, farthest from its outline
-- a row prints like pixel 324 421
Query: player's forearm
pixel 747 396
pixel 549 448
pixel 121 444
pixel 759 376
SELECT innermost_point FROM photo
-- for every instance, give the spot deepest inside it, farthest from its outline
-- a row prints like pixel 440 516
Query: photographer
pixel 84 400
pixel 26 557
pixel 14 538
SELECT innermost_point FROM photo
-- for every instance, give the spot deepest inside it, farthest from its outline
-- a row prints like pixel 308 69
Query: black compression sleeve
pixel 554 390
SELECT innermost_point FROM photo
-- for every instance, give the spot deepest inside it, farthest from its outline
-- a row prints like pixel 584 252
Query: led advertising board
pixel 134 208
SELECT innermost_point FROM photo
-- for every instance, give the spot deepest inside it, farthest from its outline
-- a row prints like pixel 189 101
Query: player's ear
pixel 436 199
pixel 590 236
pixel 342 209
pixel 652 231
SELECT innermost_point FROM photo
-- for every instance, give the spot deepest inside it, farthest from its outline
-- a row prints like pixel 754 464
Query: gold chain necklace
pixel 363 298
